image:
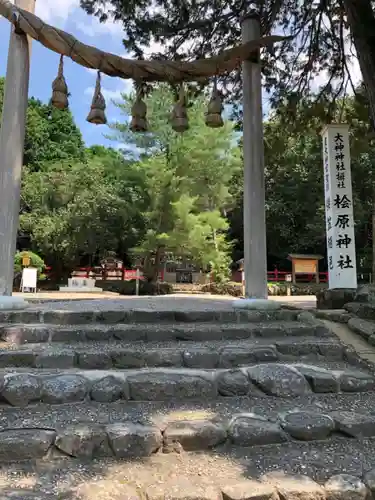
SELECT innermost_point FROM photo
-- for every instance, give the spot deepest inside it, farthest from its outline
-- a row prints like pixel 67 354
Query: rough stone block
pixel 307 426
pixel 334 299
pixel 233 383
pixel 195 434
pixel 25 317
pixel 22 444
pixel 159 386
pixel 337 315
pixel 201 357
pixel 129 440
pixel 129 333
pixel 68 334
pixel 163 357
pixel 297 348
pixel 352 307
pixel 94 360
pixel 128 359
pixel 294 487
pixel 237 356
pixel 363 327
pixel 20 358
pixel 356 381
pixel 25 334
pixel 56 360
pixel 21 389
pixel 346 487
pixel 251 430
pixel 249 490
pixel 68 317
pixel 83 441
pixel 279 380
pixel 64 388
pixel 108 389
pixel 112 317
pixel 99 333
pixel 365 293
pixel 320 380
pixel 354 424
pixel 331 350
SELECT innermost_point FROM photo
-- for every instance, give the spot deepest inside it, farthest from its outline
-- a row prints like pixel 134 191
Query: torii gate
pixel 27 26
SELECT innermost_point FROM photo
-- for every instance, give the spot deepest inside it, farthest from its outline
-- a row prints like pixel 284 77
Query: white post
pixel 137 278
pixel 342 269
pixel 255 253
pixel 12 137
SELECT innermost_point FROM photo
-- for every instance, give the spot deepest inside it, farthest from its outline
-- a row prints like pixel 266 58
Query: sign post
pixel 342 270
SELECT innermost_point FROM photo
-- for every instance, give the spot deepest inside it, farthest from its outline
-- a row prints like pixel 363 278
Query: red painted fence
pixel 130 274
pixel 279 276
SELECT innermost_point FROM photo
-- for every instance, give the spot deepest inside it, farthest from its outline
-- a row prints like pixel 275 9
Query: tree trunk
pixel 361 19
pixel 373 234
pixel 152 269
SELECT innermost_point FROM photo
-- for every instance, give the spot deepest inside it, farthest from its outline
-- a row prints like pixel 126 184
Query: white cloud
pixel 57 11
pixel 109 94
pixel 95 27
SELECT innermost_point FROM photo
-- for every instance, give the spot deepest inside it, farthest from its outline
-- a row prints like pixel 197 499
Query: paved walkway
pixel 303 301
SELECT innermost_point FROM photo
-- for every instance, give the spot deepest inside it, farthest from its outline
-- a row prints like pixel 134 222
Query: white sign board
pixel 342 271
pixel 29 279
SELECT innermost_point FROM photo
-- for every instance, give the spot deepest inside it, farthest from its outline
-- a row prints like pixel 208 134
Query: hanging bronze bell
pixel 139 115
pixel 98 105
pixel 179 117
pixel 60 89
pixel 213 118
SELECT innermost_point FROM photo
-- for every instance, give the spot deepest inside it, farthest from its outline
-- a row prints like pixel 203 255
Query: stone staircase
pixel 101 380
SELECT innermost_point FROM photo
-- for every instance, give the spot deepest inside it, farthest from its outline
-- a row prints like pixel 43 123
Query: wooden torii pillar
pixel 12 138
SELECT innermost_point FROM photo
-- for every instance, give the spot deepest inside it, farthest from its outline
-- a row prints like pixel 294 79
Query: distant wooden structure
pixel 304 264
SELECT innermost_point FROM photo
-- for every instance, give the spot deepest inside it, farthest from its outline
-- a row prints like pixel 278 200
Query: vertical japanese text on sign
pixel 339 207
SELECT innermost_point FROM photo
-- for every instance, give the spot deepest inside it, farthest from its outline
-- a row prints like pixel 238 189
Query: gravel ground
pixel 141 346
pixel 160 412
pixel 105 480
pixel 158 303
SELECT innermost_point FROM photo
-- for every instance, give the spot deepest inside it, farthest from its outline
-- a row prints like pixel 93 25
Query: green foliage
pixel 319 40
pixel 75 211
pixel 51 134
pixel 35 261
pixel 294 180
pixel 223 288
pixel 187 183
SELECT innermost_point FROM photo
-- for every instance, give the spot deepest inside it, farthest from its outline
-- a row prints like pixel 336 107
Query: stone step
pixel 364 328
pixel 67 314
pixel 337 315
pixel 128 431
pixel 27 386
pixel 37 333
pixel 213 354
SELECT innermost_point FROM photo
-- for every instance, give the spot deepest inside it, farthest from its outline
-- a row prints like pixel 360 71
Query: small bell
pixel 139 114
pixel 60 89
pixel 97 111
pixel 179 117
pixel 215 107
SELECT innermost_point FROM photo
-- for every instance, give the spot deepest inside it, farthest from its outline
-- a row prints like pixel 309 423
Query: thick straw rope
pixel 173 71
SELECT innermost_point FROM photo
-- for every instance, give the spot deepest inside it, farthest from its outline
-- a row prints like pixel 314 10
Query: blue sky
pixel 67 15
